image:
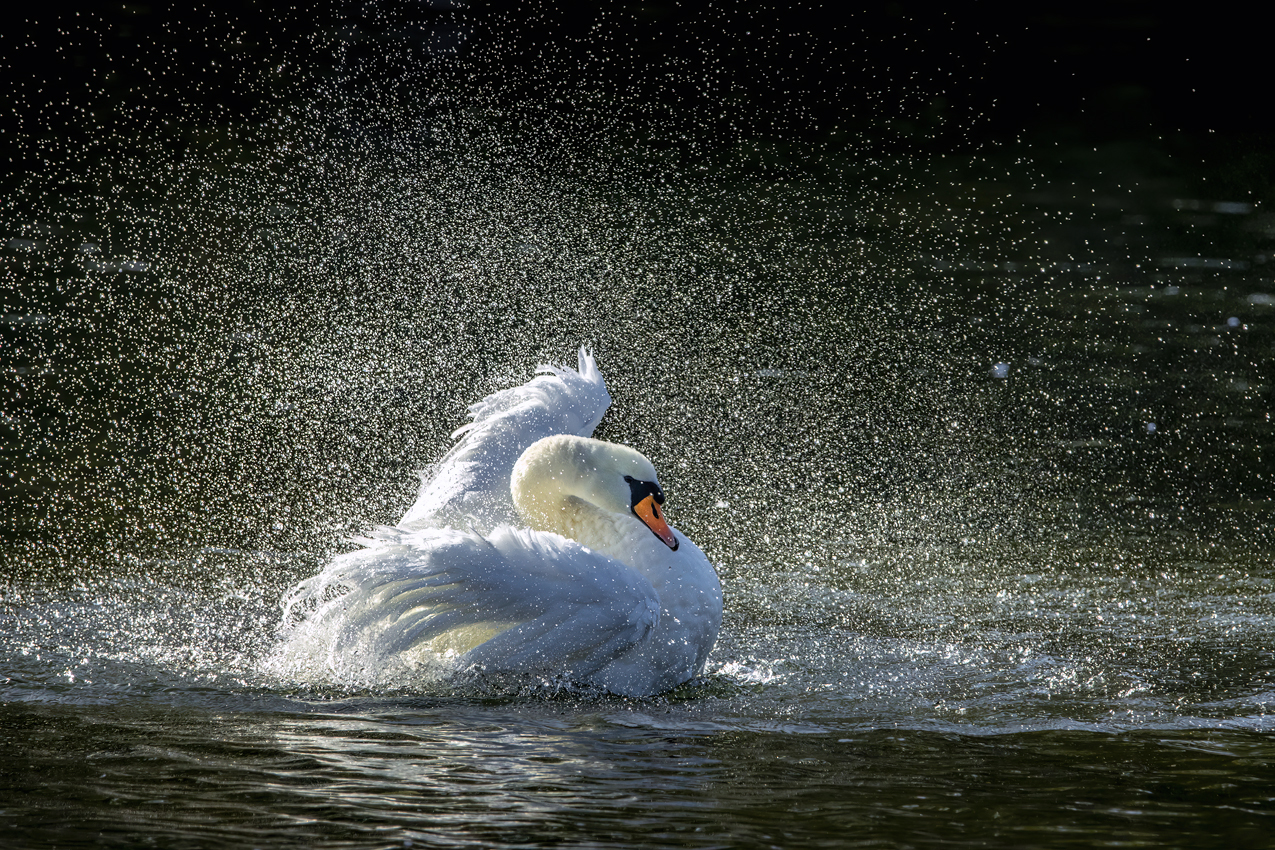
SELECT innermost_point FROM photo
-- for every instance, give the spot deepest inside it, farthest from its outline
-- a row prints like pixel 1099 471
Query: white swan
pixel 594 589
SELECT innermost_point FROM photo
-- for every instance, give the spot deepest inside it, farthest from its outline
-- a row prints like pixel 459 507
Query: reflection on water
pixel 978 442
pixel 458 774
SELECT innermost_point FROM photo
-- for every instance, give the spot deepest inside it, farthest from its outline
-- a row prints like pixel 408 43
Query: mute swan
pixel 533 551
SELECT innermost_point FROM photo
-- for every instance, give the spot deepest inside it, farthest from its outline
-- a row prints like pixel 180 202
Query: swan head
pixel 555 475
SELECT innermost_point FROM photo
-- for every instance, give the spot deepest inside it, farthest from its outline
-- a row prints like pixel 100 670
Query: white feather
pixel 617 610
pixel 470 485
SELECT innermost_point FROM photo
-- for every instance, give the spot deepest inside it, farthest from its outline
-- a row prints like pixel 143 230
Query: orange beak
pixel 649 512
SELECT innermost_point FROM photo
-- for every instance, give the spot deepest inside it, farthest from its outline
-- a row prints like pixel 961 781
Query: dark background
pixel 905 73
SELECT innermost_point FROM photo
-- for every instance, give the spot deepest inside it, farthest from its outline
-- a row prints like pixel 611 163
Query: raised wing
pixel 518 602
pixel 470 485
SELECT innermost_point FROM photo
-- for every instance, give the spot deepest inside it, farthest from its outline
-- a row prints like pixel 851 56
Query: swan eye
pixel 641 489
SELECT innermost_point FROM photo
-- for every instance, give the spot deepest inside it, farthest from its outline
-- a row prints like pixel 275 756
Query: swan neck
pixel 551 491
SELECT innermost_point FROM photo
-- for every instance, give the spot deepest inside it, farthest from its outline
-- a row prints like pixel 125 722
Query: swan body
pixel 532 551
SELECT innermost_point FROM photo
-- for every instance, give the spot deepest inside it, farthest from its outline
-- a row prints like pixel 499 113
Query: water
pixel 975 429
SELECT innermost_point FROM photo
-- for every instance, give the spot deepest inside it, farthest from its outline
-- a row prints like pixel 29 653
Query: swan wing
pixel 517 602
pixel 470 485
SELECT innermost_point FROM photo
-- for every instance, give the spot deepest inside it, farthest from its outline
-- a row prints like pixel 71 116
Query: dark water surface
pixel 975 425
pixel 411 772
